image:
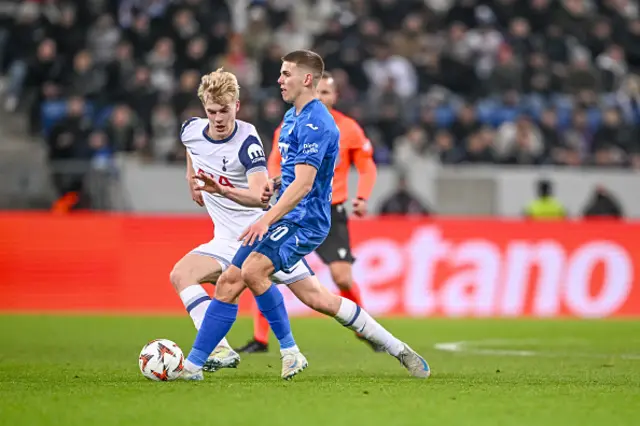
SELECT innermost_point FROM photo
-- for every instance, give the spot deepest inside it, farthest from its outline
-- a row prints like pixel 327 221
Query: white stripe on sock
pixel 190 295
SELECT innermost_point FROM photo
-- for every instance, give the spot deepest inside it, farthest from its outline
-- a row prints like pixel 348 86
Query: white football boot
pixel 195 375
pixel 414 363
pixel 293 362
pixel 221 357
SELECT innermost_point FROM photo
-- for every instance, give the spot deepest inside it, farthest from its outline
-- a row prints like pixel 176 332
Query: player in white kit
pixel 230 152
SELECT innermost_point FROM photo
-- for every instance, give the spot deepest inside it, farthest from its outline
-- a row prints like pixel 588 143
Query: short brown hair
pixel 327 75
pixel 309 59
pixel 219 86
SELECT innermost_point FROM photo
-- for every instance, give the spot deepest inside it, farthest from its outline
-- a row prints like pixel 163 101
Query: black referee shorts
pixel 336 247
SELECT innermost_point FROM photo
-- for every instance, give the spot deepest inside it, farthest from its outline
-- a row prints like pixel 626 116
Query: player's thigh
pixel 287 244
pixel 313 294
pixel 203 264
pixel 230 285
pixel 195 269
pixel 280 235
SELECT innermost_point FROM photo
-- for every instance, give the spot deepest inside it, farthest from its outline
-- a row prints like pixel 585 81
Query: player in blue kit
pixel 294 227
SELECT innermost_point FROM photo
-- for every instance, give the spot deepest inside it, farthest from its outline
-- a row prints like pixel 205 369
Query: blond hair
pixel 220 87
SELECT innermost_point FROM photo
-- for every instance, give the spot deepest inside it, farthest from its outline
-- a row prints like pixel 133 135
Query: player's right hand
pixel 195 194
pixel 202 182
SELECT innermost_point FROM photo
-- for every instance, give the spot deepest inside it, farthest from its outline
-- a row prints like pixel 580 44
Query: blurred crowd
pixel 466 81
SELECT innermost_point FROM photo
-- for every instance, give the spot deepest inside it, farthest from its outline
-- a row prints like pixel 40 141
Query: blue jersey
pixel 311 137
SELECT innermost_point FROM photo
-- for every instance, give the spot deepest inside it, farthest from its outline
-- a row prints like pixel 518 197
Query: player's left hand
pixel 257 230
pixel 359 207
pixel 206 183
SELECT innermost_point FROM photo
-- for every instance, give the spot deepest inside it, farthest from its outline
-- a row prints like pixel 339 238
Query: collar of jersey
pixel 205 133
pixel 312 101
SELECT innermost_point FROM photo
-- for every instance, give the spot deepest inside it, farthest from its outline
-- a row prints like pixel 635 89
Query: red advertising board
pixel 405 267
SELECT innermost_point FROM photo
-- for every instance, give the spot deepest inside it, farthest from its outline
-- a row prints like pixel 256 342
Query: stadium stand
pixel 518 82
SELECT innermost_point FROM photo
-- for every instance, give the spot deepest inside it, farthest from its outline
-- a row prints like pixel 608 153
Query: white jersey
pixel 229 162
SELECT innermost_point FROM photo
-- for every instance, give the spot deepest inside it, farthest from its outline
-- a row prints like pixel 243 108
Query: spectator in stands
pixel 269 118
pixel 603 204
pixel 102 39
pixel 186 93
pixel 549 133
pixel 85 79
pixel 164 128
pixel 577 141
pixel 386 70
pixel 195 58
pixel 68 147
pixel 119 72
pixel 142 96
pixel 445 148
pixel 403 202
pixel 466 122
pixel 458 70
pixel 611 141
pixel 478 148
pixel 519 142
pixel 411 147
pixel 124 130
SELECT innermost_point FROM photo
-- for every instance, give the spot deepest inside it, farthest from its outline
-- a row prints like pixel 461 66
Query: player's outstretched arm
pixel 258 194
pixel 299 188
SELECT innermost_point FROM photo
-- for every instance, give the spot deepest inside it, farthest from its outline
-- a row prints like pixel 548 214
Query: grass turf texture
pixel 59 370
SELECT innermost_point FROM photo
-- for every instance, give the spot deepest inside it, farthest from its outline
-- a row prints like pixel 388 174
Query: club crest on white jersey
pixel 229 162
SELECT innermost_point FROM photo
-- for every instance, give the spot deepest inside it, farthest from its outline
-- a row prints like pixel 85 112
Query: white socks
pixel 354 317
pixel 196 301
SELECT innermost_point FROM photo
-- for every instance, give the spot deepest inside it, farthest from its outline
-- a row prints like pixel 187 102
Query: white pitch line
pixel 467 346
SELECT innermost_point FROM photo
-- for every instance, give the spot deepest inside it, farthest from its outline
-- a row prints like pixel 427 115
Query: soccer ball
pixel 161 360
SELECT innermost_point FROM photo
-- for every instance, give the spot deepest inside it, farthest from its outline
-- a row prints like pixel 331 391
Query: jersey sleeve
pixel 273 164
pixel 313 140
pixel 251 155
pixel 184 127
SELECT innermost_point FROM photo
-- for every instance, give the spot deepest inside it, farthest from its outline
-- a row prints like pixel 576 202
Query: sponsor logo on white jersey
pixel 255 152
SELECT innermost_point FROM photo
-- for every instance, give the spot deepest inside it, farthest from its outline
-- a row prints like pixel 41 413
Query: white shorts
pixel 223 250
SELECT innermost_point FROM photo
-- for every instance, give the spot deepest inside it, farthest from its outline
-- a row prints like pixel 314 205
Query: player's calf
pixel 317 297
pixel 230 285
pixel 341 274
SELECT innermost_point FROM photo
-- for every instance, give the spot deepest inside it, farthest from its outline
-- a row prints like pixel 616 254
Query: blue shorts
pixel 285 244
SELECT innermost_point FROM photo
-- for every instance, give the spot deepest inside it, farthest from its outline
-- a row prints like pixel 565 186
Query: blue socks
pixel 271 304
pixel 220 317
pixel 217 322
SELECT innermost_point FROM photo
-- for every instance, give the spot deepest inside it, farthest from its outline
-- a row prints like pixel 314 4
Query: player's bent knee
pixel 255 270
pixel 178 278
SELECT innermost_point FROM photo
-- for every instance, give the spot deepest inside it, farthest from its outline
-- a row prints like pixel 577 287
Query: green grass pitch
pixel 72 370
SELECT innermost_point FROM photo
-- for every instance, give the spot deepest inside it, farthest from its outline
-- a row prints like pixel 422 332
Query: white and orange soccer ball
pixel 161 360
